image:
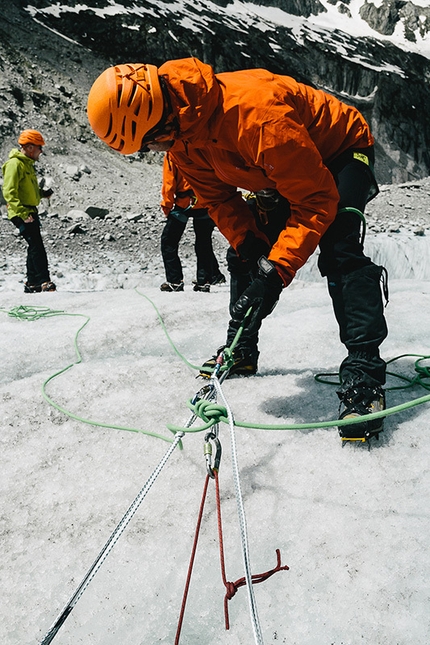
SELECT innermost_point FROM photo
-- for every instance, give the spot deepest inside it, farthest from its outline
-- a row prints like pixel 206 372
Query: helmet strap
pixel 166 125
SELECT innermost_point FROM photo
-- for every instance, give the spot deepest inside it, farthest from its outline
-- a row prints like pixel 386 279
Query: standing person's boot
pixel 38 288
pixel 205 287
pixel 170 286
pixel 219 278
pixel 32 288
pixel 48 286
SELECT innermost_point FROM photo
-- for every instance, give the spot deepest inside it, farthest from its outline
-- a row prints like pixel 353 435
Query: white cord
pixel 242 522
pixel 53 630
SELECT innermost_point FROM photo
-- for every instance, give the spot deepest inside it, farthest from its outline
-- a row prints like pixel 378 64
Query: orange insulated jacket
pixel 175 189
pixel 252 130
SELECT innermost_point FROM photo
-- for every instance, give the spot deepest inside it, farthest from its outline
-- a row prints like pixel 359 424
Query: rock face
pixel 47 77
pixel 385 18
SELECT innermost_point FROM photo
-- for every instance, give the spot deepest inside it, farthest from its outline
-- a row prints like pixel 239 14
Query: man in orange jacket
pixel 307 157
pixel 179 204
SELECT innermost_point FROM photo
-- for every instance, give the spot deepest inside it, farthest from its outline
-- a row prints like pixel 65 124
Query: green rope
pixel 422 373
pixel 227 352
pixel 212 413
pixel 218 413
pixel 28 313
pixel 221 417
pixel 351 209
pixel 163 326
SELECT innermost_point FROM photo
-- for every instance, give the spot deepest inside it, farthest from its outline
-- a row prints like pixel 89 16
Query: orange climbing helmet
pixel 31 136
pixel 124 103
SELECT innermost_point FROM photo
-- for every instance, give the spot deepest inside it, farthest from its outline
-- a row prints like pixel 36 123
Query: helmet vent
pixel 118 95
pixel 124 104
pixel 133 93
pixel 109 130
pixel 150 107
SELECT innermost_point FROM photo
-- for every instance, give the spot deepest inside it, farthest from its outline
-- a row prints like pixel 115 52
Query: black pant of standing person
pixel 208 272
pixel 37 260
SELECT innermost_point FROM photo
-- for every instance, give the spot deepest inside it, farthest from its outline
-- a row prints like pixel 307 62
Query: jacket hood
pixel 17 154
pixel 194 92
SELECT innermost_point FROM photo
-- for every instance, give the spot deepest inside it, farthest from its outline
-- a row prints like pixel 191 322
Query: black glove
pixel 251 250
pixel 262 295
pixel 47 193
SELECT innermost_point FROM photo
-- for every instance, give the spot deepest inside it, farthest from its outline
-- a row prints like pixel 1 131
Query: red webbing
pixel 231 587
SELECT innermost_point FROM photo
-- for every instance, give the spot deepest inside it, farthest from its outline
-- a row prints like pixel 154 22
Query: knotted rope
pixel 231 587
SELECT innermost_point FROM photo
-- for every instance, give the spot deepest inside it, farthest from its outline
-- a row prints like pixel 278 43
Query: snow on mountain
pixel 375 56
pixel 340 16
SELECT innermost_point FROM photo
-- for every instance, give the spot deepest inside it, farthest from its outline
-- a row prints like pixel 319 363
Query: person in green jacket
pixel 22 195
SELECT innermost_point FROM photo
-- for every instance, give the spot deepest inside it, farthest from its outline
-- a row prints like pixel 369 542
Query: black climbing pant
pixel 355 283
pixel 37 261
pixel 207 264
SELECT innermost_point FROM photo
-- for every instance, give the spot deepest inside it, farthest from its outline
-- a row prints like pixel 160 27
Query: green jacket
pixel 20 188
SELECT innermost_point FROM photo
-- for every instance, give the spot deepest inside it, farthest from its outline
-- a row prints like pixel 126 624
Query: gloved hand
pixel 262 295
pixel 47 193
pixel 251 249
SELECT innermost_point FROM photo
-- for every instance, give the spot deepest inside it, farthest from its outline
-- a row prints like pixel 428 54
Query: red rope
pixel 190 566
pixel 231 587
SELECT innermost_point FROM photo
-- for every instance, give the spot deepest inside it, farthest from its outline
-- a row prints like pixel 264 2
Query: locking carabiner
pixel 210 436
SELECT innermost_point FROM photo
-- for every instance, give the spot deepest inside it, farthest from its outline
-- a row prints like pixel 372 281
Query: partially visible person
pixel 179 205
pixel 22 195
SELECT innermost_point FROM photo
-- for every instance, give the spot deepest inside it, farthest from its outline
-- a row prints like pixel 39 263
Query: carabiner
pixel 210 436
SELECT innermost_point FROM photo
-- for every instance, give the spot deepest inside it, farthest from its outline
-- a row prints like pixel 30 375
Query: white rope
pixel 53 630
pixel 242 522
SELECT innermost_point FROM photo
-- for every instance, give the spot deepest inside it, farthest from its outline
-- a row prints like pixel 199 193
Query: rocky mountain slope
pixel 44 81
pixel 114 241
pixel 50 54
pixel 366 53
